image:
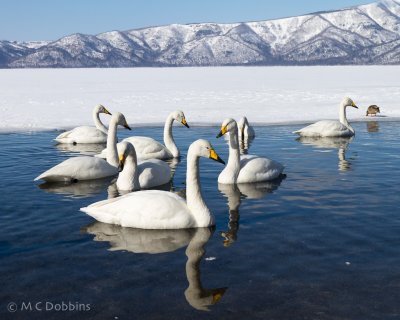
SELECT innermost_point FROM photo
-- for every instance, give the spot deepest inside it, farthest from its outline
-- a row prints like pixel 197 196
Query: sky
pixel 25 20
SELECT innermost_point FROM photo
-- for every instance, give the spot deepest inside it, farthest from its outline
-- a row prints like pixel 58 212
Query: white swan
pixel 331 128
pixel 245 168
pixel 86 134
pixel 148 148
pixel 146 174
pixel 88 168
pixel 155 209
pixel 245 129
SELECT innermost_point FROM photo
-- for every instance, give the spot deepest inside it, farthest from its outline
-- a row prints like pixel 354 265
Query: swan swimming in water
pixel 331 128
pixel 86 134
pixel 88 168
pixel 148 148
pixel 154 209
pixel 245 168
pixel 245 129
pixel 142 175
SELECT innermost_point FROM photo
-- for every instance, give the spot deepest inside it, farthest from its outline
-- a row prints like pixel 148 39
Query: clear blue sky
pixel 52 19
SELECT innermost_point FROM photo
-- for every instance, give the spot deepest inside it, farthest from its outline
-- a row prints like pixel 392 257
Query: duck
pixel 373 110
pixel 155 209
pixel 87 134
pixel 88 168
pixel 331 128
pixel 148 148
pixel 245 168
pixel 143 175
pixel 245 129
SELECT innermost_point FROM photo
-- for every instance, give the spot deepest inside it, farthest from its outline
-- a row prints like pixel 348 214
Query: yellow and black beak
pixel 126 126
pixel 107 112
pixel 215 156
pixel 121 162
pixel 354 105
pixel 184 122
pixel 222 132
pixel 217 294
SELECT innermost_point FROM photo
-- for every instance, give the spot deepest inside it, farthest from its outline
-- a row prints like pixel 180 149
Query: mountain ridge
pixel 365 34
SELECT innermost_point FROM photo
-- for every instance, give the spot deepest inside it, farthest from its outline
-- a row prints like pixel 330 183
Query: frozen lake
pixel 63 98
pixel 323 243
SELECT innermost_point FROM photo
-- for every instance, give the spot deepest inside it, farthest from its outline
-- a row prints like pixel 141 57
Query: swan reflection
pixel 234 193
pixel 80 189
pixel 162 241
pixel 89 149
pixel 340 143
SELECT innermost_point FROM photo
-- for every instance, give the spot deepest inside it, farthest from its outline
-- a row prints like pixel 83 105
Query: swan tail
pixel 61 137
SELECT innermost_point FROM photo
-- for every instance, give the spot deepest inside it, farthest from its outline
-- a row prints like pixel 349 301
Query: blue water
pixel 321 243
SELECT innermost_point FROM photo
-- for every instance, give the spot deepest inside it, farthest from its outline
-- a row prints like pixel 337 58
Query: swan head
pixel 125 149
pixel 119 119
pixel 229 125
pixel 180 117
pixel 203 148
pixel 347 102
pixel 102 109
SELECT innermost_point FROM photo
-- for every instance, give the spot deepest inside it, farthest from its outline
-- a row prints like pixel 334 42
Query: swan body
pixel 331 128
pixel 148 148
pixel 146 174
pixel 86 134
pixel 245 168
pixel 245 130
pixel 153 209
pixel 88 168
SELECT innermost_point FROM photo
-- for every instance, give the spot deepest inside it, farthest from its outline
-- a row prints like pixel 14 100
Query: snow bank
pixel 37 99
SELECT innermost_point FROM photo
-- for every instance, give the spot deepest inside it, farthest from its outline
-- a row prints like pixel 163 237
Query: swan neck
pixel 234 153
pixel 128 178
pixel 168 138
pixel 343 117
pixel 99 125
pixel 112 153
pixel 195 252
pixel 195 202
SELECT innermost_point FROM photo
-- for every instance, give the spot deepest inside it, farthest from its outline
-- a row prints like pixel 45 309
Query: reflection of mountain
pixel 340 143
pixel 234 193
pixel 162 241
pixel 89 149
pixel 80 189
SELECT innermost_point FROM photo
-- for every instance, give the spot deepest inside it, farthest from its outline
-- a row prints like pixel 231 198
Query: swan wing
pixel 148 148
pixel 257 169
pixel 150 209
pixel 324 128
pixel 153 173
pixel 79 168
pixel 83 134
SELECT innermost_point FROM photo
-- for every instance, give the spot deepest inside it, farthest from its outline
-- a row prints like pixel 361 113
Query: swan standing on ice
pixel 154 209
pixel 245 129
pixel 148 148
pixel 331 128
pixel 86 134
pixel 146 174
pixel 245 168
pixel 88 168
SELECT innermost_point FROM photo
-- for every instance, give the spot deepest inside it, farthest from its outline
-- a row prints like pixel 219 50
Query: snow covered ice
pixel 38 99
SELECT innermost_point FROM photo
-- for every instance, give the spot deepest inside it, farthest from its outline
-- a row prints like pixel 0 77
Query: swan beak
pixel 215 156
pixel 354 105
pixel 107 112
pixel 222 132
pixel 126 126
pixel 121 163
pixel 185 123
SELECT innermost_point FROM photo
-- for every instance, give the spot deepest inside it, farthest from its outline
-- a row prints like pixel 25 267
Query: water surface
pixel 321 243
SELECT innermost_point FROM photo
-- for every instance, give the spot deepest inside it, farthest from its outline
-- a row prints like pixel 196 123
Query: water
pixel 322 243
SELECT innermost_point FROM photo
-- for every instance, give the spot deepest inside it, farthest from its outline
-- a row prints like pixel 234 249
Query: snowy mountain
pixel 366 34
